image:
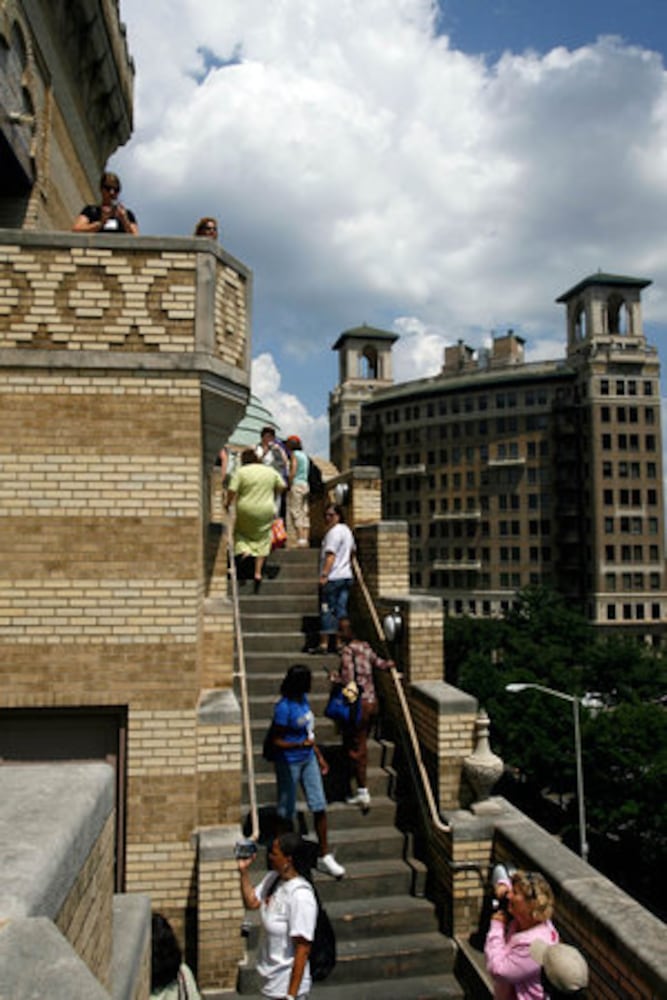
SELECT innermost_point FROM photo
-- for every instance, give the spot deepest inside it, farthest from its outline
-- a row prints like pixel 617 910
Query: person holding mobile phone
pixel 288 910
pixel 110 216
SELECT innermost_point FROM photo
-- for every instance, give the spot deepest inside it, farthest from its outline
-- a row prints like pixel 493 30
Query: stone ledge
pixel 219 707
pixel 131 943
pixel 37 961
pixel 448 700
pixel 42 859
pixel 216 843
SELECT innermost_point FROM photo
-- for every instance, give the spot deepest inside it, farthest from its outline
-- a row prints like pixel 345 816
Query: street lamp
pixel 575 702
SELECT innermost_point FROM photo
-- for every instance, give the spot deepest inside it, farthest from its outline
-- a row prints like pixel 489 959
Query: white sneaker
pixel 362 798
pixel 328 864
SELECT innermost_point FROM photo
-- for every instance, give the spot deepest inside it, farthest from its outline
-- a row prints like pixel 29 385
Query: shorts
pixel 305 773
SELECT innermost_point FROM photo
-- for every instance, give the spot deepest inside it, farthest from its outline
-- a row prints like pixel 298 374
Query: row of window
pixel 631 525
pixel 630 498
pixel 628 414
pixel 508 400
pixel 628 442
pixel 631 612
pixel 631 581
pixel 468 404
pixel 625 387
pixel 628 470
pixel 631 553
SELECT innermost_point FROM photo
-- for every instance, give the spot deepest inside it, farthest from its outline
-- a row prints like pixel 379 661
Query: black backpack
pixel 322 957
pixel 315 481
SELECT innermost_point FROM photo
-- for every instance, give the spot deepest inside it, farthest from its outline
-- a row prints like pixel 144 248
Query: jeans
pixel 333 604
pixel 306 773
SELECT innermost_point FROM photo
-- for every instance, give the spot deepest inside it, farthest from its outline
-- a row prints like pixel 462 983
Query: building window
pixel 611 612
pixel 639 612
pixel 609 526
pixel 632 387
pixel 604 387
pixel 607 470
pixel 655 612
pixel 610 553
pixel 627 612
pixel 608 496
pixel 606 442
pixel 650 442
pixel 648 388
pixel 605 414
pixel 610 582
pixel 620 387
pixel 620 414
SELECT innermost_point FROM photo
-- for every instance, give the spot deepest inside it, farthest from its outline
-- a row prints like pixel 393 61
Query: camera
pixel 245 849
pixel 501 873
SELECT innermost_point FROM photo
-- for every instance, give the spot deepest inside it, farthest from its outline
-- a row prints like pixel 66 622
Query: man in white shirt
pixel 336 576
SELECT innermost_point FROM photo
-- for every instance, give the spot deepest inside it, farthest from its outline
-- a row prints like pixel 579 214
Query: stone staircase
pixel 389 945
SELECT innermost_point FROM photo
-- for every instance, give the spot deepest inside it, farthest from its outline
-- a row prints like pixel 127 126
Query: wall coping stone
pixel 42 857
pixel 218 707
pixel 37 961
pixel 447 699
pixel 388 527
pixel 131 940
pixel 216 843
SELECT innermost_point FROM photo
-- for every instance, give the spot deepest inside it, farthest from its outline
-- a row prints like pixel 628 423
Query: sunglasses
pixel 111 188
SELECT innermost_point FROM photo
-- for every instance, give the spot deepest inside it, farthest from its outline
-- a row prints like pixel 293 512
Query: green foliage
pixel 543 641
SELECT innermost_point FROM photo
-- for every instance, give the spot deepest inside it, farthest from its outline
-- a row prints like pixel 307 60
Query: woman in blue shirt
pixel 299 760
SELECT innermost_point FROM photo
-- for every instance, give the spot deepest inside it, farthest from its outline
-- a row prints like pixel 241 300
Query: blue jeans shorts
pixel 306 773
pixel 333 604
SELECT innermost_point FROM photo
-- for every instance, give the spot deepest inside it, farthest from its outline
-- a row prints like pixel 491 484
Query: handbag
pixel 341 709
pixel 278 533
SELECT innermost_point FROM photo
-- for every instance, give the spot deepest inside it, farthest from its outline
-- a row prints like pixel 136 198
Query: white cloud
pixel 290 414
pixel 366 171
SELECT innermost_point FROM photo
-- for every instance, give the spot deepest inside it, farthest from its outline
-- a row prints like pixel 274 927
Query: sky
pixel 443 170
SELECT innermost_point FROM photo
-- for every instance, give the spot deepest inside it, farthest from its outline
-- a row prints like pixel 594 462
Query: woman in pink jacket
pixel 524 916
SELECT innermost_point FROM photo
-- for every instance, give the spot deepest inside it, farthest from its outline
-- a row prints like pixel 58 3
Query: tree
pixel 543 641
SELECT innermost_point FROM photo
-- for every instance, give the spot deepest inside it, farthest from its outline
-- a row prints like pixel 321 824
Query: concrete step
pixel 277 662
pixel 303 588
pixel 293 619
pixel 388 957
pixel 412 988
pixel 355 918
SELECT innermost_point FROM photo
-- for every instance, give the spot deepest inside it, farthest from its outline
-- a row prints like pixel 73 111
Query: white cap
pixel 564 966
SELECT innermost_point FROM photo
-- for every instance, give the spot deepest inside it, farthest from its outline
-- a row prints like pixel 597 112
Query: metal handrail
pixel 405 709
pixel 241 674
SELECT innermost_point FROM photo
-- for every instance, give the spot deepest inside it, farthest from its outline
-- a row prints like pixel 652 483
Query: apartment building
pixel 513 474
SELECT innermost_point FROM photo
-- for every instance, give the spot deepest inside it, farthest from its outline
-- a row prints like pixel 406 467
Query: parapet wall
pixel 56 884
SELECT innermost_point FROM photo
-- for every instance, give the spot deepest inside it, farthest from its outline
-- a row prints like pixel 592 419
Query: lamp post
pixel 575 702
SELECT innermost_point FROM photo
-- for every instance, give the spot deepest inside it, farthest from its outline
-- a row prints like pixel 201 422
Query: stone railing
pixel 161 297
pixel 59 919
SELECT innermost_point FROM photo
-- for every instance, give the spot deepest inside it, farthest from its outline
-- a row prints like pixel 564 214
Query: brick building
pixel 512 474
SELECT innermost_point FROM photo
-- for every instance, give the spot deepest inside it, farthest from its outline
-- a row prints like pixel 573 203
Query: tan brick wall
pixel 220 914
pixel 85 918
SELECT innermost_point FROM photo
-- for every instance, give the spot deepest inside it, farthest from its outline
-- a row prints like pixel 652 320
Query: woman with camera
pixel 110 216
pixel 523 916
pixel 288 910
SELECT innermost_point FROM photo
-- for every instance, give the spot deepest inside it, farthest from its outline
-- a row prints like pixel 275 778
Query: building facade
pixel 514 474
pixel 66 85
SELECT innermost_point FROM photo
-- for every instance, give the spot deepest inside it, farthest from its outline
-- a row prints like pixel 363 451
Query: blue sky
pixel 441 170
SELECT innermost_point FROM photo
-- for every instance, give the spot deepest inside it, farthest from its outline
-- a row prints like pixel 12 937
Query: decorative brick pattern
pixel 92 298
